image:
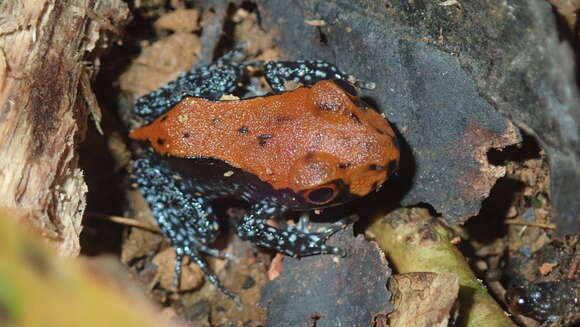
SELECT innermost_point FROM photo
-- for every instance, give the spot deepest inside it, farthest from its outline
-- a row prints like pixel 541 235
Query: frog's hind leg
pixel 209 82
pixel 293 241
pixel 187 221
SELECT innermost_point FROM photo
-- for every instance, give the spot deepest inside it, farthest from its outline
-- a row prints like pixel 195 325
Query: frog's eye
pixel 322 195
pixel 519 301
pixel 346 87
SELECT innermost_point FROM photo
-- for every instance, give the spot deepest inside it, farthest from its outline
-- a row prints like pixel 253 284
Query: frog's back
pixel 276 137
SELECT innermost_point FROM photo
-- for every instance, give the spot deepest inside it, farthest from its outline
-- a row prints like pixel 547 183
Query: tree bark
pixel 46 53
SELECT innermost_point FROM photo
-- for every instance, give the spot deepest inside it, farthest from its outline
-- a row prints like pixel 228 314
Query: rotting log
pixel 414 241
pixel 47 61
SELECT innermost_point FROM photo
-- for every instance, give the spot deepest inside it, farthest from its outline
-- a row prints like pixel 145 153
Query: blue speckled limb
pixel 210 82
pixel 292 241
pixel 220 78
pixel 307 72
pixel 187 220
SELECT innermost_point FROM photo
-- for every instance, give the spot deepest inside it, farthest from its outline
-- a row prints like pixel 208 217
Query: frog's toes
pixel 361 84
pixel 303 222
pixel 335 227
pixel 326 249
pixel 217 253
pixel 303 225
pixel 318 240
pixel 195 256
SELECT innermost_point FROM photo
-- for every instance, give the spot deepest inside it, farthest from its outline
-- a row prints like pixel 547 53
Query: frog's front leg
pixel 290 240
pixel 187 221
pixel 306 72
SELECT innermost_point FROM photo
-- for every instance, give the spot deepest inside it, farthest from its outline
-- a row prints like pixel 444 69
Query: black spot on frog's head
pixel 362 104
pixel 160 141
pixel 163 118
pixel 186 135
pixel 380 131
pixel 343 165
pixel 330 106
pixel 392 167
pixel 243 130
pixel 263 139
pixel 355 118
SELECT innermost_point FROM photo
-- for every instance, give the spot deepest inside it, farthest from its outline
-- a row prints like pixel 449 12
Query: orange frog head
pixel 354 149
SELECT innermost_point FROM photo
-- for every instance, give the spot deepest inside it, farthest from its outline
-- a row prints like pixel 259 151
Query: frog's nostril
pixel 355 118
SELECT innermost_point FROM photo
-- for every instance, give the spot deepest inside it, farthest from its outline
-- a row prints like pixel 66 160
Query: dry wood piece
pixel 44 110
pixel 424 299
pixel 413 241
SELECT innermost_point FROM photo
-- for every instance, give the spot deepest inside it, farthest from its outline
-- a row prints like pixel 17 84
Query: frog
pixel 554 301
pixel 310 143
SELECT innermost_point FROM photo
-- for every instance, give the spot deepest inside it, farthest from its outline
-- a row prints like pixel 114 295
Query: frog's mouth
pixel 305 206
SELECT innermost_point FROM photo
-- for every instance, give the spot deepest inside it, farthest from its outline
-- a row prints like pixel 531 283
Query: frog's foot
pixel 335 227
pixel 216 253
pixel 305 72
pixel 208 82
pixel 193 253
pixel 303 227
pixel 294 241
pixel 361 84
pixel 304 222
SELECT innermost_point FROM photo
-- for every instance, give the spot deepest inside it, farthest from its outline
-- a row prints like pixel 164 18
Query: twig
pixel 573 269
pixel 127 221
pixel 414 241
pixel 532 224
